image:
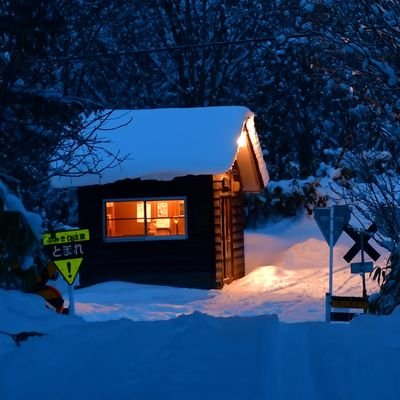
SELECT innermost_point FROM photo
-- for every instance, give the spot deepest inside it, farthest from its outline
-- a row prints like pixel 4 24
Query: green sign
pixel 76 235
pixel 69 268
pixel 66 250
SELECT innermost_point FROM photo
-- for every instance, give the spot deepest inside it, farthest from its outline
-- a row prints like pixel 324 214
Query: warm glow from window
pixel 145 218
pixel 241 142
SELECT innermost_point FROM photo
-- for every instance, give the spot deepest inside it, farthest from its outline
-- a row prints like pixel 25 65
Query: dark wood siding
pixel 189 262
pixel 238 235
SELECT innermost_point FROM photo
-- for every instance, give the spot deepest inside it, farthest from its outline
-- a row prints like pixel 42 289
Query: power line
pixel 181 47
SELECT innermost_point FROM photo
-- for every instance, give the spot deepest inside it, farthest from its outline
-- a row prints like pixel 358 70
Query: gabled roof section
pixel 249 157
pixel 166 143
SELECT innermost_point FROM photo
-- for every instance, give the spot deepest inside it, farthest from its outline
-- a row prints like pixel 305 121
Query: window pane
pixel 124 218
pixel 140 218
pixel 167 218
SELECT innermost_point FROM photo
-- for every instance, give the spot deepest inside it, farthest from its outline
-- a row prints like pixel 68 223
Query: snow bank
pixel 199 356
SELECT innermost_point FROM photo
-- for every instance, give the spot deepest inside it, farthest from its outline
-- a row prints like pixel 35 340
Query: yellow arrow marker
pixel 69 268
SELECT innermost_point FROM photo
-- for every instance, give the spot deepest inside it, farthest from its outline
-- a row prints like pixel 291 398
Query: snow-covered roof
pixel 166 143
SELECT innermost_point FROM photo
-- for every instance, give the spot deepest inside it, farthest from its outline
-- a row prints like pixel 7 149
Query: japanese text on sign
pixel 67 250
pixel 53 238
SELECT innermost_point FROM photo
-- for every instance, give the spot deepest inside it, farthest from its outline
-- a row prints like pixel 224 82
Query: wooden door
pixel 227 240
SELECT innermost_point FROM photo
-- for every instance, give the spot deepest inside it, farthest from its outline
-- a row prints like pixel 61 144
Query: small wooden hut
pixel 172 213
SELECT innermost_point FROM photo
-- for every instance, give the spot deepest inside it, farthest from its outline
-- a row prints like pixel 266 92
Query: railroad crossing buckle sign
pixel 66 249
pixel 361 243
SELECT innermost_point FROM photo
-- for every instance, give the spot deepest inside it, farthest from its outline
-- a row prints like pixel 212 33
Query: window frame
pixel 145 237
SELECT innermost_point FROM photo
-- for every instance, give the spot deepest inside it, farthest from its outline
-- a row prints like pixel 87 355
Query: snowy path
pixel 287 275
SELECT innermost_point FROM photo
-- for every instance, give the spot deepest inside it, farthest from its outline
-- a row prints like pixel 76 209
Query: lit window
pixel 142 219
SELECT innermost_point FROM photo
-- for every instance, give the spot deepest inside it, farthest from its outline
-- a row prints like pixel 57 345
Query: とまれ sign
pixel 66 250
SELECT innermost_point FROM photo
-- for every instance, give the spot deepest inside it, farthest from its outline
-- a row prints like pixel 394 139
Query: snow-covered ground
pixel 262 337
pixel 287 275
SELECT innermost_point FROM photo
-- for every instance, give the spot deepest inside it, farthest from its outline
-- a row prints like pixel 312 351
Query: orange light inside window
pixel 122 219
pixel 154 218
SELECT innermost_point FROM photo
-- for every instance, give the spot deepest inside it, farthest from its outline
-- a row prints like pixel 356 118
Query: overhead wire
pixel 177 48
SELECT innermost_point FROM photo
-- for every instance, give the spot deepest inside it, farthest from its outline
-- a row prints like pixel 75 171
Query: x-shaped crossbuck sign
pixel 361 240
